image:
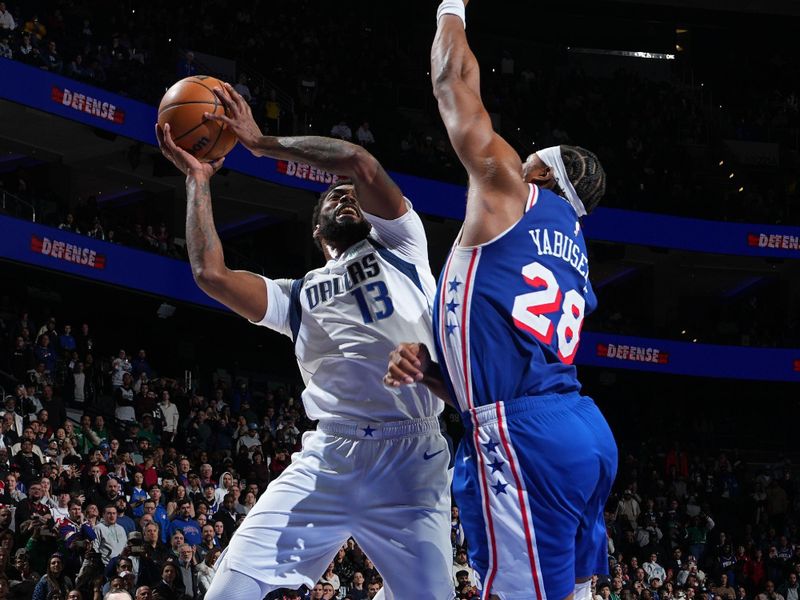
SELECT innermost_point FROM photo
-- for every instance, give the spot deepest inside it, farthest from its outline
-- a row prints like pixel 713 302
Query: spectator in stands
pixel 169 418
pixel 54 584
pixel 273 112
pixel 7 22
pixel 184 523
pixel 44 353
pixel 52 58
pixel 342 131
pixel 242 87
pixel 364 135
pixel 205 570
pixel 251 441
pixel 141 365
pixel 5 47
pixel 77 70
pixel 167 588
pixel 54 406
pixel 96 230
pixel 66 342
pixel 460 563
pixel 120 365
pixel 111 537
pixel 373 587
pixel 358 589
pixel 187 66
pixel 790 590
pixel 77 386
pixel 154 548
pixel 123 396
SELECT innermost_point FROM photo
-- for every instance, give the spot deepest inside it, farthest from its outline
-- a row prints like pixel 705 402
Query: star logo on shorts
pixel 368 431
pixel 452 305
pixel 451 328
pixel 497 465
pixel 499 488
pixel 490 446
pixel 454 285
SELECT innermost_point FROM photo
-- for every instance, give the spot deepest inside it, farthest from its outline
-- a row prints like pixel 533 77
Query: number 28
pixel 530 309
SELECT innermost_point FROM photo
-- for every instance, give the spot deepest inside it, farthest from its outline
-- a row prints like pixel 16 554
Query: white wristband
pixel 452 7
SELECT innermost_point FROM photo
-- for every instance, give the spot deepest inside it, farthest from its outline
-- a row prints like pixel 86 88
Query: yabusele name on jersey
pixel 67 252
pixel 633 353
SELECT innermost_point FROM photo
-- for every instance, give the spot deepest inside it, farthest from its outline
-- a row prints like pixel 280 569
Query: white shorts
pixel 387 485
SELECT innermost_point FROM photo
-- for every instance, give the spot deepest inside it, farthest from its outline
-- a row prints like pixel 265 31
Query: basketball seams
pixel 201 123
pixel 219 133
pixel 177 104
pixel 213 104
pixel 185 133
pixel 200 83
pixel 214 145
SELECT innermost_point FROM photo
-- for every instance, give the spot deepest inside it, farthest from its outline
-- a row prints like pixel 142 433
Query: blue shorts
pixel 531 480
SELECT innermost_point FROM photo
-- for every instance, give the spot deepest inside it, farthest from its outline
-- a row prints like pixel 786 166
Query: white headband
pixel 552 158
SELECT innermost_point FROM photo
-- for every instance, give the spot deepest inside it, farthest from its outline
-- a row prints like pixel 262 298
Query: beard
pixel 344 234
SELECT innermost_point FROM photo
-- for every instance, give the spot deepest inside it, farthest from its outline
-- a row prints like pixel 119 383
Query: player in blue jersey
pixel 538 459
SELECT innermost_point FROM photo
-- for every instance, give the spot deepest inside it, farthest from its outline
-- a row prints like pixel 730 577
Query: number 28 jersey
pixel 347 316
pixel 508 313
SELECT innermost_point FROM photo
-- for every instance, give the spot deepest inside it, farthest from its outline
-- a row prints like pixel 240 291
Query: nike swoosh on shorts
pixel 427 456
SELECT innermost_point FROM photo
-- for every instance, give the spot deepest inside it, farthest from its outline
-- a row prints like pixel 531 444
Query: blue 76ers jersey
pixel 508 313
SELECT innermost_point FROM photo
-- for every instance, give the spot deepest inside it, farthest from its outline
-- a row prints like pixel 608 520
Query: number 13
pixel 530 309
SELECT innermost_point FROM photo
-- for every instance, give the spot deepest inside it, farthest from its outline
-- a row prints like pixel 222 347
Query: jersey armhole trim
pixel 295 309
pixel 406 268
pixel 533 196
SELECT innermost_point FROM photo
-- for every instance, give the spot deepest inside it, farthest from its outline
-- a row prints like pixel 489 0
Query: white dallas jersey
pixel 346 317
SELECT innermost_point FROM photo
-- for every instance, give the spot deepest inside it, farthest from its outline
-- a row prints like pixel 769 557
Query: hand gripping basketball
pixel 186 163
pixel 238 116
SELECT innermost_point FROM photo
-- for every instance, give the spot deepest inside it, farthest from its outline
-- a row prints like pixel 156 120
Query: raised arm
pixel 241 291
pixel 497 191
pixel 377 193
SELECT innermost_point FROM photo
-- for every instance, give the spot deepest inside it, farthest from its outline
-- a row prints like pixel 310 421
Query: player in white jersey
pixel 376 467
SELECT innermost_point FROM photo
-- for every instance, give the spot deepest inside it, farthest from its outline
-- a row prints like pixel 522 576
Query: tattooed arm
pixel 377 193
pixel 241 291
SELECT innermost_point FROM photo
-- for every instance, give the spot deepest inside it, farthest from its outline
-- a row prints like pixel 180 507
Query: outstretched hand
pixel 238 116
pixel 179 157
pixel 408 364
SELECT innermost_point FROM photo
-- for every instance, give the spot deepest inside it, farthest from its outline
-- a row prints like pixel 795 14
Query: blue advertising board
pixel 50 248
pixel 686 358
pixel 133 119
pixel 73 254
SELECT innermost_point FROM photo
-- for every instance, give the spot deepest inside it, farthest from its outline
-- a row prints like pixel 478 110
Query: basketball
pixel 183 106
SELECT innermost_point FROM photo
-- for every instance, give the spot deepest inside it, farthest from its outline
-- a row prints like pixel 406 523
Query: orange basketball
pixel 183 106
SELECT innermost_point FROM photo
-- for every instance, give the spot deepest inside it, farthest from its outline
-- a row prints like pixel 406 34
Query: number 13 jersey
pixel 347 316
pixel 508 313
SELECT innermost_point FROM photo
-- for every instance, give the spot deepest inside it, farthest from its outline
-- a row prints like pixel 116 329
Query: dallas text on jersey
pixel 358 272
pixel 558 244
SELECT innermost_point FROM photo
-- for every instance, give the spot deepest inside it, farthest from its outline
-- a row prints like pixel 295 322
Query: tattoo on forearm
pixel 323 152
pixel 202 240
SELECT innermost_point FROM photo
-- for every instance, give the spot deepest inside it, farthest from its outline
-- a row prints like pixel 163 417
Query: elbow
pixel 207 279
pixel 354 160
